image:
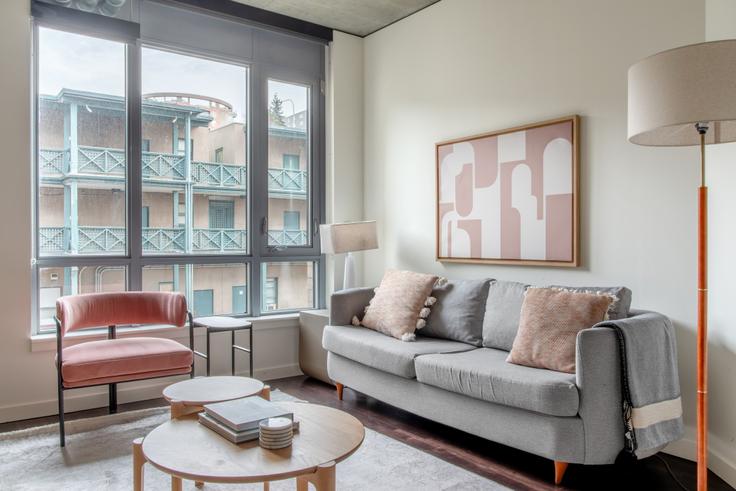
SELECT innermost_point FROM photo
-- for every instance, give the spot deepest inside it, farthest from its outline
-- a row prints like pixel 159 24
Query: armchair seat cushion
pixel 123 359
pixel 485 374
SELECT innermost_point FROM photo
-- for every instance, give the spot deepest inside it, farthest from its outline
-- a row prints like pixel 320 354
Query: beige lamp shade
pixel 673 90
pixel 338 238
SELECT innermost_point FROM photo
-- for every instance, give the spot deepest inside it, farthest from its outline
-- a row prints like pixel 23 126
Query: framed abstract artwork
pixel 510 196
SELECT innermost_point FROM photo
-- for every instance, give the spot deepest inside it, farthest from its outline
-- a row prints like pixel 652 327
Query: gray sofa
pixel 568 418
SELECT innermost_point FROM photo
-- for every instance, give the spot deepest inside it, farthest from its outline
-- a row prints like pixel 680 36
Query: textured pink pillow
pixel 396 307
pixel 550 322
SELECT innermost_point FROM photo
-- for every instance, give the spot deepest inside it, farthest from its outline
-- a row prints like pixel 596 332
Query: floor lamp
pixel 681 97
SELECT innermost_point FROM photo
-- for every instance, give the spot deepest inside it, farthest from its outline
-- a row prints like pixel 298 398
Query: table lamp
pixel 349 237
pixel 687 96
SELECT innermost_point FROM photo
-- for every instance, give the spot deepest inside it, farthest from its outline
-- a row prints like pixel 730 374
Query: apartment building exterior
pixel 194 197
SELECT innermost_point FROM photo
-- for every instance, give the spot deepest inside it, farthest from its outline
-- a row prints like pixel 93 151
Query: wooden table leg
pixel 138 461
pixel 179 409
pixel 323 479
pixel 175 483
pixel 266 392
pixel 266 486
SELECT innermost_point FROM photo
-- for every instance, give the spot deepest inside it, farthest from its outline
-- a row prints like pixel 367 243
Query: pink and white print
pixel 509 196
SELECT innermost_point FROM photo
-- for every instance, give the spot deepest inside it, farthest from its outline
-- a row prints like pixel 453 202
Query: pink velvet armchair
pixel 112 361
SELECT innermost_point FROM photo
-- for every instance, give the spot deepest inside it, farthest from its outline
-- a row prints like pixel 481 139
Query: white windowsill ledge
pixel 47 341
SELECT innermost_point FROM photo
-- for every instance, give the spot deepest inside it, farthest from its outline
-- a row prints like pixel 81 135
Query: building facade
pixel 194 199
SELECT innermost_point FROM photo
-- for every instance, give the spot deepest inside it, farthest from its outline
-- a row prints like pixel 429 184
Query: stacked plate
pixel 275 433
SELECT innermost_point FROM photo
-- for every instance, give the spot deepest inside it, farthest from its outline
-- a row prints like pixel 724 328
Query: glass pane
pixel 56 282
pixel 288 164
pixel 194 114
pixel 81 145
pixel 287 286
pixel 211 289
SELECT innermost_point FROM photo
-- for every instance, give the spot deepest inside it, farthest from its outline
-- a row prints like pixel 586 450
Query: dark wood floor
pixel 504 465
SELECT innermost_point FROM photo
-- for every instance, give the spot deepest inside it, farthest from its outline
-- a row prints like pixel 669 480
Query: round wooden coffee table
pixel 188 396
pixel 185 449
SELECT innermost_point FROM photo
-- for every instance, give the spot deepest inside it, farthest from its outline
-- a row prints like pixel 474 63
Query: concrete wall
pixel 464 67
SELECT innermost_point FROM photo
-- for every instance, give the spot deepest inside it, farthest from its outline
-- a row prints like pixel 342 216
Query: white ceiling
pixel 358 17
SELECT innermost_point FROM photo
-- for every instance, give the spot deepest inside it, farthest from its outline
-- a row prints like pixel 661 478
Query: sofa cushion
pixel 458 313
pixel 484 374
pixel 621 305
pixel 550 322
pixel 398 307
pixel 385 353
pixel 503 308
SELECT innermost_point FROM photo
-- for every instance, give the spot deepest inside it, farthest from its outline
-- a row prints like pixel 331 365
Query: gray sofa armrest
pixel 347 303
pixel 598 374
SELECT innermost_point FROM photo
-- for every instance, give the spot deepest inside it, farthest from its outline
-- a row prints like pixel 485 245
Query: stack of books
pixel 238 420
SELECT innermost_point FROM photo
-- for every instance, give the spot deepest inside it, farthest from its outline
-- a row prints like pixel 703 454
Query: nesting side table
pixel 216 324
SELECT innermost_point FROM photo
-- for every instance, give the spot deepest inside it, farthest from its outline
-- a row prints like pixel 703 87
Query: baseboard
pixel 78 400
pixel 721 457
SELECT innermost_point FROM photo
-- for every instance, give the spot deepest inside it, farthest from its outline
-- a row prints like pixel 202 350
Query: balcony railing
pixel 111 240
pixel 287 237
pixel 164 240
pixel 287 180
pixel 207 240
pixel 168 166
pixel 216 174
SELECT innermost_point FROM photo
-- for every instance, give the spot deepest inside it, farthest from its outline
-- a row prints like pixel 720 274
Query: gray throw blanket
pixel 652 409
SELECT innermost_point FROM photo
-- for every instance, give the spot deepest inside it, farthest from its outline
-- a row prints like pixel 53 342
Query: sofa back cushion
pixel 619 309
pixel 458 312
pixel 550 322
pixel 502 312
pixel 396 308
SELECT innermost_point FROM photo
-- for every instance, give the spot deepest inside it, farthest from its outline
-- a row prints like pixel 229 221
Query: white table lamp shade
pixel 338 238
pixel 671 91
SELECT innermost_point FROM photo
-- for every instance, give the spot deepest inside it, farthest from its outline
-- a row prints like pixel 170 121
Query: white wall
pixel 720 23
pixel 462 67
pixel 344 143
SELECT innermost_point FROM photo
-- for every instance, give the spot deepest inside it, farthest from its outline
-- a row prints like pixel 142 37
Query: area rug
pixel 98 457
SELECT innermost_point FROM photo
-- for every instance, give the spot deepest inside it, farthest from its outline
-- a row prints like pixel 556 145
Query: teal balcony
pixel 168 167
pixel 111 240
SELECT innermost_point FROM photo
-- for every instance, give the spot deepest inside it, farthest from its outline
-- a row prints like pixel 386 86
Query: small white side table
pixel 312 356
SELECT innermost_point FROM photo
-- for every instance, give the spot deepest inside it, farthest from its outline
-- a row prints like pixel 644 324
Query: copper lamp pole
pixel 702 404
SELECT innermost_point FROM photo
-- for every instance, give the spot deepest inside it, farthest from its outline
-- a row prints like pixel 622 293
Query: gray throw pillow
pixel 619 309
pixel 503 310
pixel 458 312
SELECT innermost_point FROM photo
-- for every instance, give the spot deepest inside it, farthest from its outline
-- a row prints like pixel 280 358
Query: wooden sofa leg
pixel 340 388
pixel 560 468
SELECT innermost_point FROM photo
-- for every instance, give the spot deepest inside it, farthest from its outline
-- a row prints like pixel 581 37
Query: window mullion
pixel 134 168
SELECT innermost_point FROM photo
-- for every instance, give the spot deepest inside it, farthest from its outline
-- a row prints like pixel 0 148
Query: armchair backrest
pixel 112 309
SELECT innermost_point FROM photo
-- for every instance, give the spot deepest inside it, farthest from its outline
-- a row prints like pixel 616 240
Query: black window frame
pixel 258 251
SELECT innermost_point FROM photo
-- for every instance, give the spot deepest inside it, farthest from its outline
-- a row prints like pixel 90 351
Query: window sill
pixel 47 341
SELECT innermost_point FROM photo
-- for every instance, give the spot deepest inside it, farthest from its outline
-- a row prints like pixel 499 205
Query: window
pixel 288 137
pixel 291 162
pixel 222 214
pixel 291 220
pixel 210 186
pixel 145 216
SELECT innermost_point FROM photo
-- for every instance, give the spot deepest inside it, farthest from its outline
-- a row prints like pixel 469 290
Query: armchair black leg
pixel 62 439
pixel 113 396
